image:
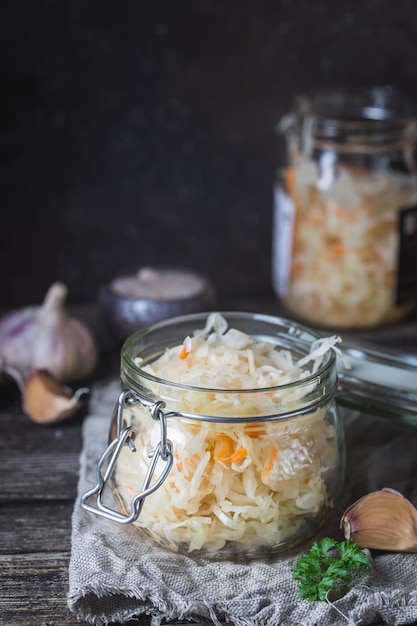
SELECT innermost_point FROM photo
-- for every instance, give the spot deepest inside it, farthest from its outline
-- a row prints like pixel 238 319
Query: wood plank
pixel 29 527
pixel 37 462
pixel 33 590
pixel 24 436
pixel 39 476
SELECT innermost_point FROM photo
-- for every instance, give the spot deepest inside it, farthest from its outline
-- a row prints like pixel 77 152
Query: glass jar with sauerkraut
pixel 227 441
pixel 345 211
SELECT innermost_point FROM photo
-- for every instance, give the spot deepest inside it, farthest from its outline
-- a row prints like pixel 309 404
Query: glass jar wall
pixel 255 470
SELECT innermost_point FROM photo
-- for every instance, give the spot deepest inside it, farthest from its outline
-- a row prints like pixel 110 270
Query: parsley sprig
pixel 329 565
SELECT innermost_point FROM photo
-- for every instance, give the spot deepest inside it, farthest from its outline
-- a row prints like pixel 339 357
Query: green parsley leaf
pixel 328 565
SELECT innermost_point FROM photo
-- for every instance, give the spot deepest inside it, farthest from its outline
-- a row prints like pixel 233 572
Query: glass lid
pixel 380 383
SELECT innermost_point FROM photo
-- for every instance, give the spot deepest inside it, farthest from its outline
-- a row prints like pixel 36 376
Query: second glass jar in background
pixel 345 214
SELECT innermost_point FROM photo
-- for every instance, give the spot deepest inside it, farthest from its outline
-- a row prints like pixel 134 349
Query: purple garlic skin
pixel 47 338
pixel 17 334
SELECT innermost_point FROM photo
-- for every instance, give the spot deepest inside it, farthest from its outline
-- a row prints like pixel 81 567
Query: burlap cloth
pixel 116 574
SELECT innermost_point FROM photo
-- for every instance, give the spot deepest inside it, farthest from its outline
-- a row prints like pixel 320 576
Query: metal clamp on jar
pixel 345 214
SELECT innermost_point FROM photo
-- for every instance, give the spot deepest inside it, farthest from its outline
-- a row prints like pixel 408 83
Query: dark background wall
pixel 143 132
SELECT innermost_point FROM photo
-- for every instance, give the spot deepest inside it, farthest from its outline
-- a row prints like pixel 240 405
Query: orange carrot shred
pixel 224 452
pixel 270 462
pixel 336 251
pixel 339 250
pixel 184 353
pixel 254 434
pixel 239 455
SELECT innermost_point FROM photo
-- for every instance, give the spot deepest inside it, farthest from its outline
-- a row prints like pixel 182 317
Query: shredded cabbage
pixel 342 267
pixel 257 483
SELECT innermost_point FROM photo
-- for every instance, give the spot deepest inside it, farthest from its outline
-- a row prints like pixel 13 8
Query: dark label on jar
pixel 407 256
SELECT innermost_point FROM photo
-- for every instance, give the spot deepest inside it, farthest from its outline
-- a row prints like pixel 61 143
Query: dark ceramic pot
pixel 125 313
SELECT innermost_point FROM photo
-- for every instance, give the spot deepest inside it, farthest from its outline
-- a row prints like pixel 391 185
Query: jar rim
pixel 379 104
pixel 295 332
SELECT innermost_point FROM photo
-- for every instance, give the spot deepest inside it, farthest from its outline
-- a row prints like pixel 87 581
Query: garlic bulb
pixel 382 520
pixel 47 338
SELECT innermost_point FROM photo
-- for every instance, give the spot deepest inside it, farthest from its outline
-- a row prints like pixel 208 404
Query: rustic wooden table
pixel 39 472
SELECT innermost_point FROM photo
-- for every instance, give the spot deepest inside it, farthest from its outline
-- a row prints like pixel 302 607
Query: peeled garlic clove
pixel 382 520
pixel 47 337
pixel 45 400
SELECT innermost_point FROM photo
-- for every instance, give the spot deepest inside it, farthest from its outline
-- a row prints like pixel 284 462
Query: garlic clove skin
pixel 47 401
pixel 17 334
pixel 47 337
pixel 382 520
